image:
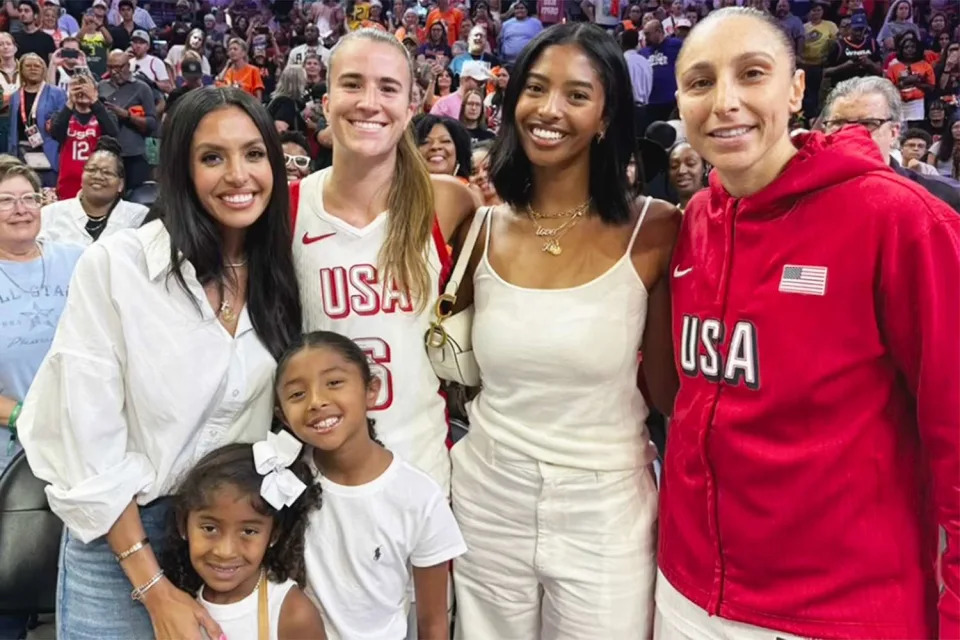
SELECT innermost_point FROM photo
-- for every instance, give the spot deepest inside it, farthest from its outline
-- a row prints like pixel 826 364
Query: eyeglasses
pixel 300 162
pixel 97 171
pixel 29 201
pixel 870 124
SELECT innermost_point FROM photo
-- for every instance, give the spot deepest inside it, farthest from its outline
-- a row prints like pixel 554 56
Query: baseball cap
pixel 191 68
pixel 476 70
pixel 140 34
pixel 858 21
pixel 100 3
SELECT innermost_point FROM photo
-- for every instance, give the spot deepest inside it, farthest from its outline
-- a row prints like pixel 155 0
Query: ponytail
pixel 403 256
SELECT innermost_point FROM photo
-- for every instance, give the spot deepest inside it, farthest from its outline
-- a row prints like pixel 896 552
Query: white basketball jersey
pixel 342 290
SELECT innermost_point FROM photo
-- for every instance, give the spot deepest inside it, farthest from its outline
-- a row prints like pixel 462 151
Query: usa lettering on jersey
pixel 359 290
pixel 701 354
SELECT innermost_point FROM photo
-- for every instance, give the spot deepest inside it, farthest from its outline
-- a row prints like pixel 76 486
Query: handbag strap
pixel 453 284
pixel 263 612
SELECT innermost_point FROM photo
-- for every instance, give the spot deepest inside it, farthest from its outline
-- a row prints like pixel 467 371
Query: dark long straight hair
pixel 273 300
pixel 510 167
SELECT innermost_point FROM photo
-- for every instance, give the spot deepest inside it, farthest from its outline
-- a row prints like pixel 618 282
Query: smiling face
pixel 686 170
pixel 297 161
pixel 229 167
pixel 227 539
pixel 51 14
pixel 438 151
pixel 324 399
pixel 21 224
pixel 736 92
pixel 480 175
pixel 368 104
pixel 445 79
pixel 101 182
pixel 560 108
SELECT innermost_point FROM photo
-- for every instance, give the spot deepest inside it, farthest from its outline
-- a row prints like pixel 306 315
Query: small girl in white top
pixel 381 518
pixel 236 528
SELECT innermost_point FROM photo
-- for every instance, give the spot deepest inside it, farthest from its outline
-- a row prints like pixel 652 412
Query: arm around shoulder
pixel 299 618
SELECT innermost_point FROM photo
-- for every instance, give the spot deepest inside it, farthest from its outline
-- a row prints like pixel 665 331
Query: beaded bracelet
pixel 138 593
pixel 123 555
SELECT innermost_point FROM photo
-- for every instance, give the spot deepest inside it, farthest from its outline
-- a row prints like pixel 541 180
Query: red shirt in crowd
pixel 815 443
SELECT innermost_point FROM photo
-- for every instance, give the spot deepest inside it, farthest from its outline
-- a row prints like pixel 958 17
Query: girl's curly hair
pixel 232 465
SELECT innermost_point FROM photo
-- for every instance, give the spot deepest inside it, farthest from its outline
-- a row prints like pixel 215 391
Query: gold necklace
pixel 552 245
pixel 581 208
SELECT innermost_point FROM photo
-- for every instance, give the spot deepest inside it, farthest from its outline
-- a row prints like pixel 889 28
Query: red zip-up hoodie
pixel 815 441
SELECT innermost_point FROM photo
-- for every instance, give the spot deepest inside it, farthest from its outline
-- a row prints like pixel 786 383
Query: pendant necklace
pixel 554 234
pixel 227 313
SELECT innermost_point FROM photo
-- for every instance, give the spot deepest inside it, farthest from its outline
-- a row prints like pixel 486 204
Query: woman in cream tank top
pixel 552 486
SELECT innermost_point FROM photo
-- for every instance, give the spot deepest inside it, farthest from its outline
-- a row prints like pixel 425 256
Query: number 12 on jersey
pixel 378 354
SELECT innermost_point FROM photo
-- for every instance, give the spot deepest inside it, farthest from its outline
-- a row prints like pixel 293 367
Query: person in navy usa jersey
pixel 814 450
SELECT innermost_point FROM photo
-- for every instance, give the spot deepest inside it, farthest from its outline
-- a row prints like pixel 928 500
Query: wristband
pixel 12 422
pixel 138 593
pixel 123 555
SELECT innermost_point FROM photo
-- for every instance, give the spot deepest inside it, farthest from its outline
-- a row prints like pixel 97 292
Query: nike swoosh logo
pixel 308 240
pixel 679 273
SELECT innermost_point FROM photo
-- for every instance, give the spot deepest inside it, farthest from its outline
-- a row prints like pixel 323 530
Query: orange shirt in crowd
pixel 451 18
pixel 247 79
pixel 420 35
pixel 922 68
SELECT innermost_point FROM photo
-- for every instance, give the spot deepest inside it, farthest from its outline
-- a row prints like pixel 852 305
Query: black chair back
pixel 145 194
pixel 29 542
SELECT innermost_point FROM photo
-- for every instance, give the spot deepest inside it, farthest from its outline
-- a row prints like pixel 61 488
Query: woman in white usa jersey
pixel 370 237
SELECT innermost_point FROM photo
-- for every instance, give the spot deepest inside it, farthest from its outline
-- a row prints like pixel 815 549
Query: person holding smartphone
pixel 78 127
pixel 65 63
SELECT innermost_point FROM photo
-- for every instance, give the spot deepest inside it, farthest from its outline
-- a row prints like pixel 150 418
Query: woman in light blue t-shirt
pixel 34 278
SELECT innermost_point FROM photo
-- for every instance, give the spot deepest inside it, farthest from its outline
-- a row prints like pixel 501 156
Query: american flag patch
pixel 811 281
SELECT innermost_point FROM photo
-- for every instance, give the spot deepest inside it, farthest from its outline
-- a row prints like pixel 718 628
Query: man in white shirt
pixel 150 66
pixel 641 76
pixel 311 36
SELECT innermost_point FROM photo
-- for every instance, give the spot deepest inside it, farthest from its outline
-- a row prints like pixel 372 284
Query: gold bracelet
pixel 132 550
pixel 139 592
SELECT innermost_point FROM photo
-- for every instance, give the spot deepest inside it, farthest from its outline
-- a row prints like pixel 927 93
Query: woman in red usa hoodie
pixel 815 443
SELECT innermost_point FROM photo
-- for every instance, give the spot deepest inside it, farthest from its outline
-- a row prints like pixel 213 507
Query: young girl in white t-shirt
pixel 382 518
pixel 236 530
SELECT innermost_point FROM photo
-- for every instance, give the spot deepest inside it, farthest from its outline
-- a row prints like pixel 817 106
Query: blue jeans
pixel 93 593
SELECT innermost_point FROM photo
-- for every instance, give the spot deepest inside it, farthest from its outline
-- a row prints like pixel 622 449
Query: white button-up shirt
pixel 66 221
pixel 138 384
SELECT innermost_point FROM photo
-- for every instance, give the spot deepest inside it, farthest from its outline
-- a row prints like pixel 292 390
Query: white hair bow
pixel 280 486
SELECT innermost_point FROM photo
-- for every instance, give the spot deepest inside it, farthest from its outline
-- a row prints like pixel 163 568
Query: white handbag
pixel 449 341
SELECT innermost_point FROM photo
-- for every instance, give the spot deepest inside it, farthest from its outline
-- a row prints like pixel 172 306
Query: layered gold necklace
pixel 553 235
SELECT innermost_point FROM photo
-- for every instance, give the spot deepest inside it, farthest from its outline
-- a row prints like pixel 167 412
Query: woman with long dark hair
pixel 166 350
pixel 553 486
pixel 814 448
